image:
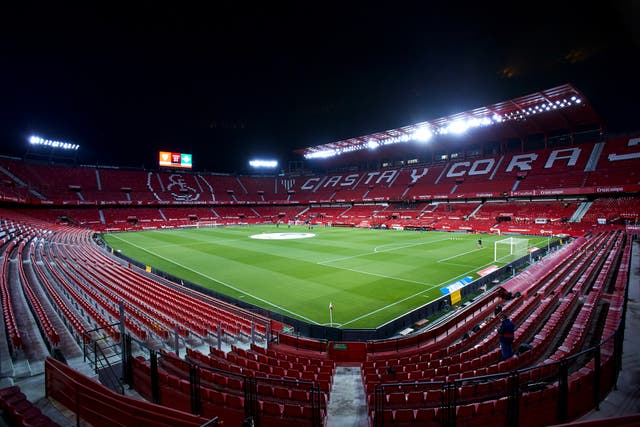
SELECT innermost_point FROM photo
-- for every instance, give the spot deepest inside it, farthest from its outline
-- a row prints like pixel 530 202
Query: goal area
pixel 510 248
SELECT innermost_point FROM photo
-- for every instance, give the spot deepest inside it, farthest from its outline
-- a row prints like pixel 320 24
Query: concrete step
pixel 347 406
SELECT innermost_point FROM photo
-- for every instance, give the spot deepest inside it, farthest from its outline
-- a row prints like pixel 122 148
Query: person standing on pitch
pixel 506 334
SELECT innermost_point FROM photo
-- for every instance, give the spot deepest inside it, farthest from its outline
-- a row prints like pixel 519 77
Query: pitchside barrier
pixel 389 330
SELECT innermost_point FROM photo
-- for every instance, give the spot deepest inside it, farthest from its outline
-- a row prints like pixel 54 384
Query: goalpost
pixel 511 247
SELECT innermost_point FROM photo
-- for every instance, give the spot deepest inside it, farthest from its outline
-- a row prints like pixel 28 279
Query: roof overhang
pixel 562 108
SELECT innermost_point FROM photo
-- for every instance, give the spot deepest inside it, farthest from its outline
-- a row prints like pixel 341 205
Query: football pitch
pixel 369 276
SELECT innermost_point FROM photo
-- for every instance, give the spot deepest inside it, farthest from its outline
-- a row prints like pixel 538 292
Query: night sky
pixel 228 83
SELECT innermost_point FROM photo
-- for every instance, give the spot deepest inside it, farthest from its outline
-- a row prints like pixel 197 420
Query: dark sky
pixel 228 82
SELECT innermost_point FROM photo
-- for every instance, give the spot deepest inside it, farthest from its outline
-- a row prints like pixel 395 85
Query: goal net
pixel 510 249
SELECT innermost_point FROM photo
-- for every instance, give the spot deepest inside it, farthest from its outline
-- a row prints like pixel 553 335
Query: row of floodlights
pixel 541 108
pixel 36 140
pixel 424 133
pixel 268 164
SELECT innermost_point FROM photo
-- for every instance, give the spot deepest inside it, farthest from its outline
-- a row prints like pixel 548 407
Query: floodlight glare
pixel 36 140
pixel 423 134
pixel 263 163
pixel 518 110
pixel 458 126
pixel 322 154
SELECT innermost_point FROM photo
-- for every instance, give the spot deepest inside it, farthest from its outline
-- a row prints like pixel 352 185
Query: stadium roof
pixel 562 108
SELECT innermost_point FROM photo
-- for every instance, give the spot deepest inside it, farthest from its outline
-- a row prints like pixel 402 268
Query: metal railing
pixel 105 357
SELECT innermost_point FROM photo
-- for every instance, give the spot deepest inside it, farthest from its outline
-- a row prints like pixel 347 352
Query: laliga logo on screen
pixel 185 193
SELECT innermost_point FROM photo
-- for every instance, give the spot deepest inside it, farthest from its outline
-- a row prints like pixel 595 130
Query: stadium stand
pixel 20 411
pixel 124 185
pixel 66 297
pixel 75 273
pixel 263 189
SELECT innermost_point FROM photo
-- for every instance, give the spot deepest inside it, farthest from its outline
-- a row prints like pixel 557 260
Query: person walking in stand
pixel 506 334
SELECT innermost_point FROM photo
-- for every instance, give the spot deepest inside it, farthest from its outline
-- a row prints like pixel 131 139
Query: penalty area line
pixel 220 282
pixel 459 255
pixel 400 279
pixel 415 295
pixel 377 250
pixel 396 246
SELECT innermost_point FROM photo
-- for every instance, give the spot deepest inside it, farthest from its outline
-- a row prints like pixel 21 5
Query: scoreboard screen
pixel 175 160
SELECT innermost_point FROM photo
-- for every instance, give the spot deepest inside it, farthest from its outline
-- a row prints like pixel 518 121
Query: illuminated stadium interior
pixel 537 170
pixel 289 214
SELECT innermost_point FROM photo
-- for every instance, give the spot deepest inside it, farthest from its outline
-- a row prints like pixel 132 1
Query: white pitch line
pixel 380 275
pixel 395 246
pixel 462 254
pixel 172 245
pixel 194 244
pixel 220 282
pixel 376 251
pixel 456 264
pixel 410 296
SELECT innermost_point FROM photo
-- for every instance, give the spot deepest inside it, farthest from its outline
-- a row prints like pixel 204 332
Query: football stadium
pixel 474 268
pixel 227 297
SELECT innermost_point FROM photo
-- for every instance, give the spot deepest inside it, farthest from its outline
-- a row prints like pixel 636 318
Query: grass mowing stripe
pixel 220 282
pixel 459 255
pixel 413 296
pixel 376 251
pixel 381 275
pixel 372 275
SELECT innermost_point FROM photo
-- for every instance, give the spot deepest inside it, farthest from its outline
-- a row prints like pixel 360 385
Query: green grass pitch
pixel 370 276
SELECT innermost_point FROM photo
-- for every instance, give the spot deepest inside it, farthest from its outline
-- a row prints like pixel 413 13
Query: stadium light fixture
pixel 36 140
pixel 458 126
pixel 265 164
pixel 422 134
pixel 322 154
pixel 424 131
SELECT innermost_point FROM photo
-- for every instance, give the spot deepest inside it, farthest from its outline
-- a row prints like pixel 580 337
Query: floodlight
pixel 455 124
pixel 36 140
pixel 322 154
pixel 263 163
pixel 458 126
pixel 422 134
